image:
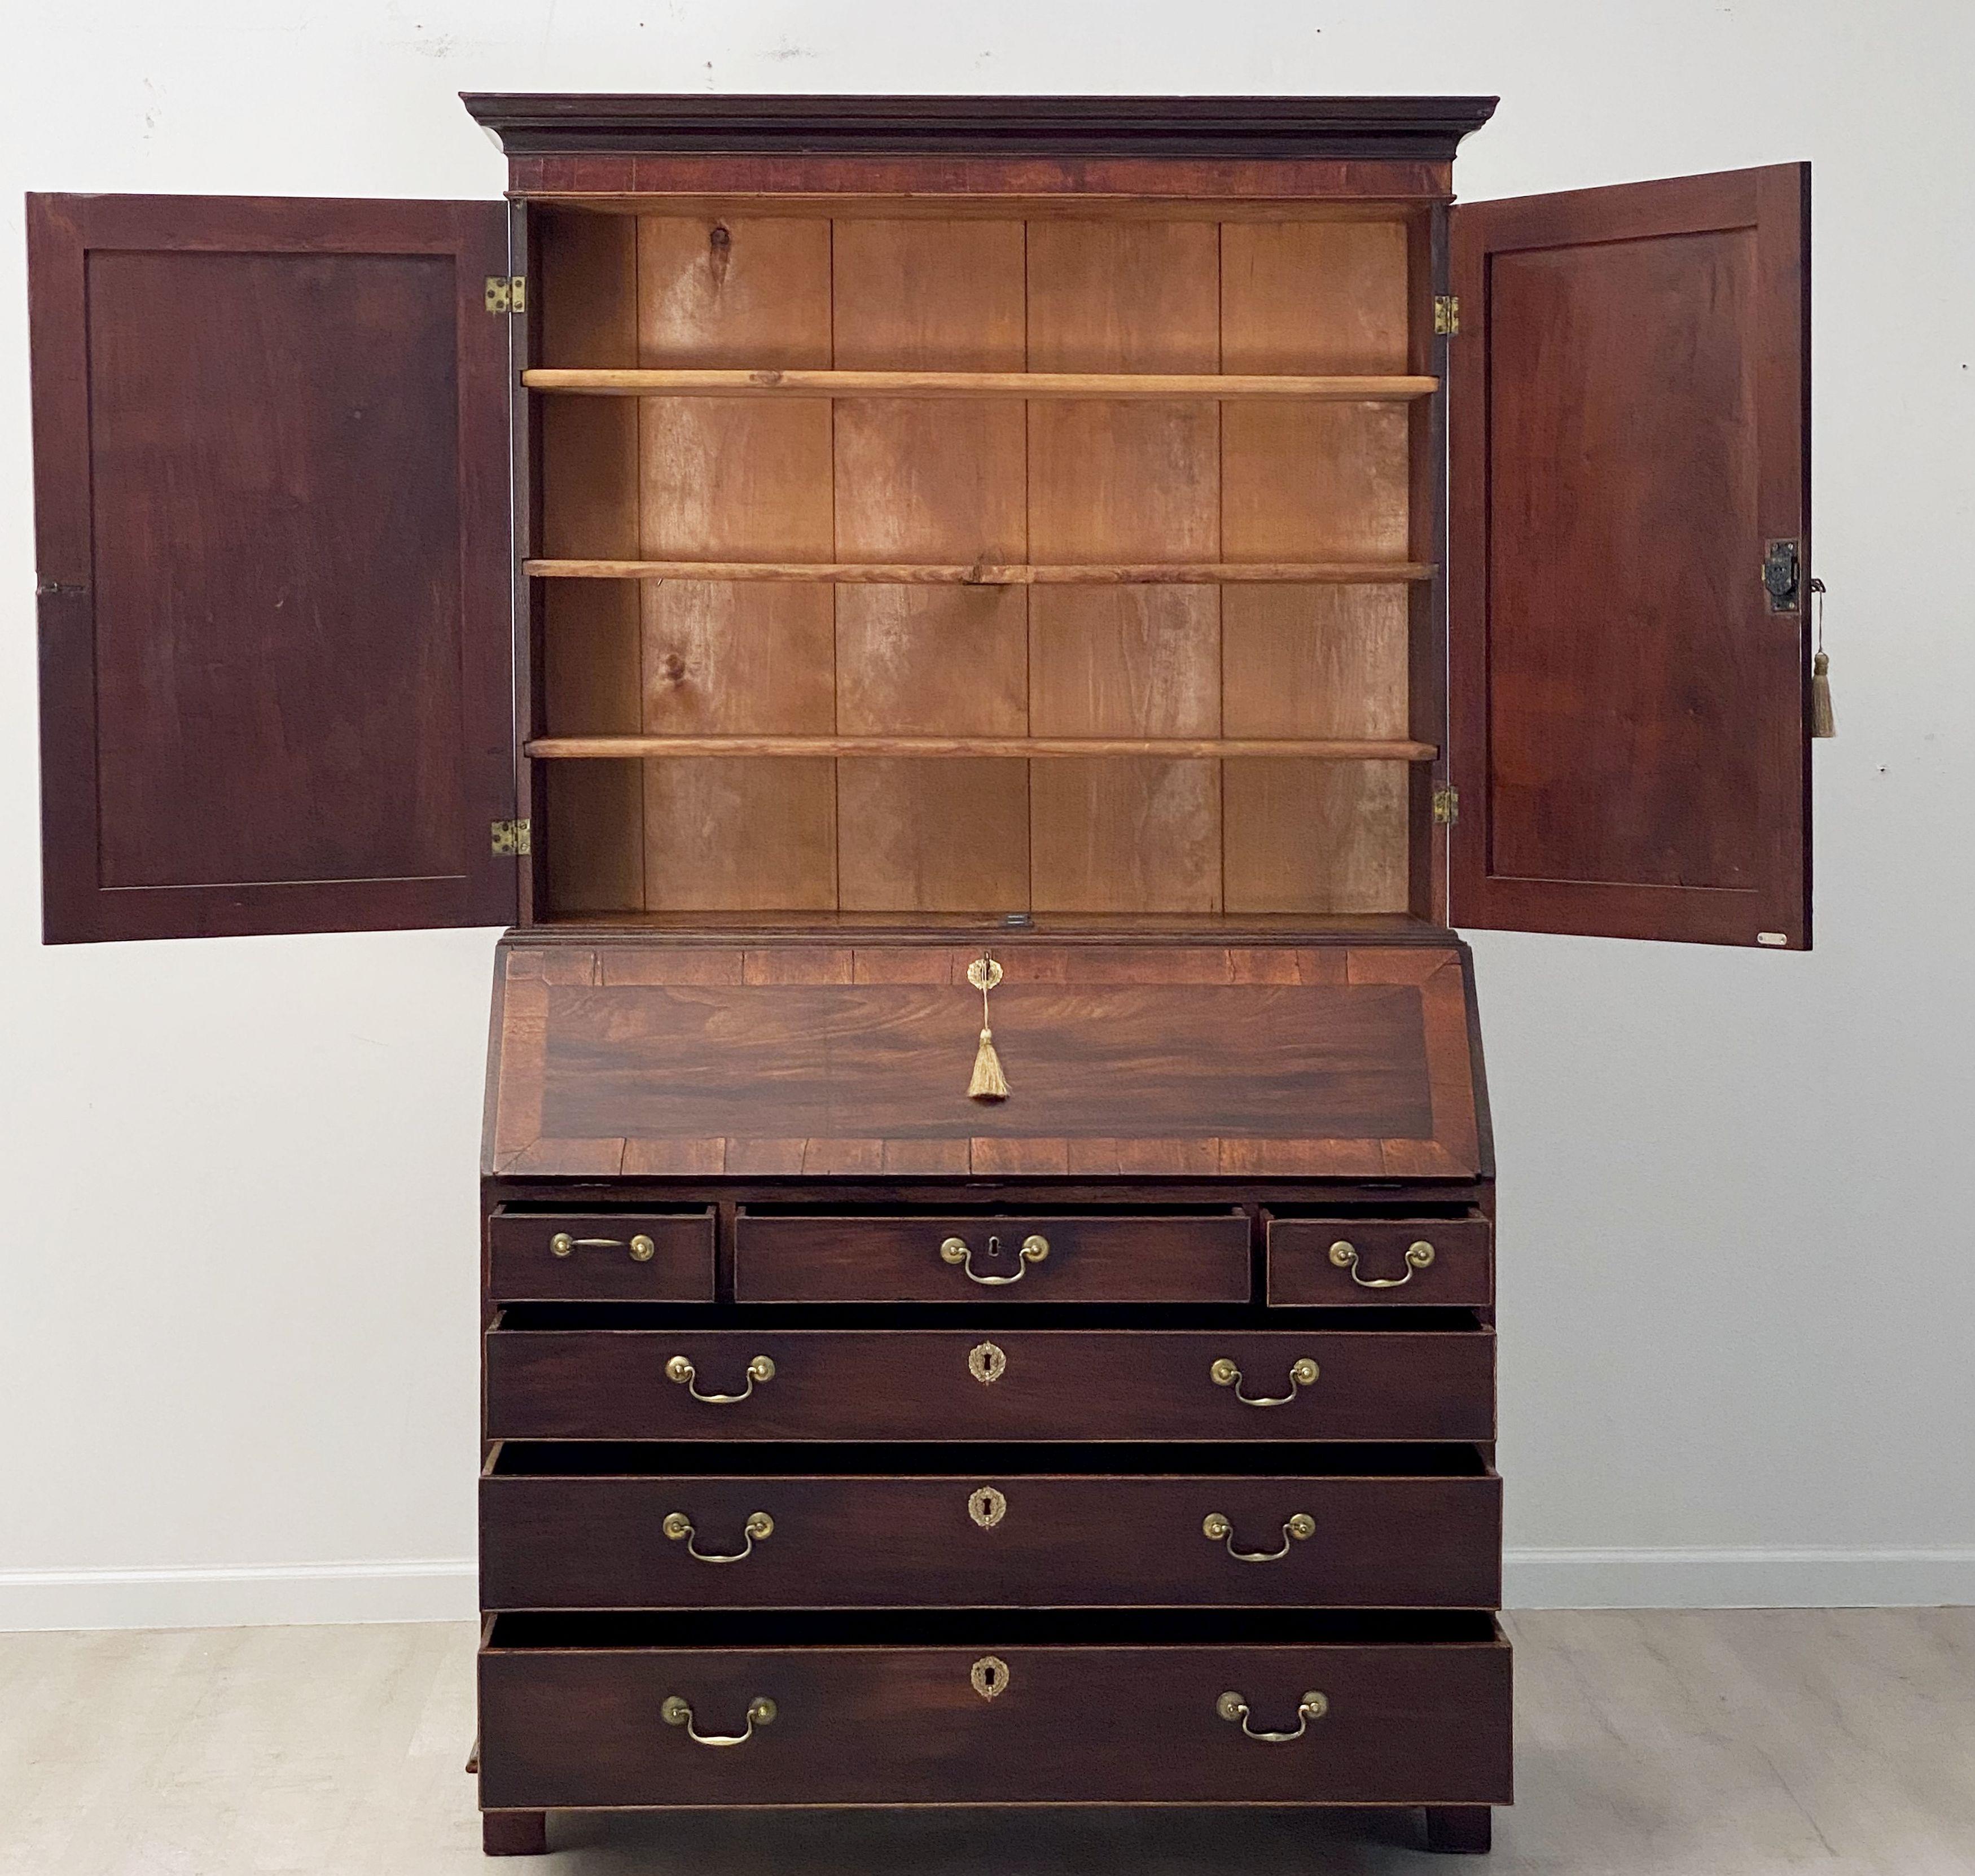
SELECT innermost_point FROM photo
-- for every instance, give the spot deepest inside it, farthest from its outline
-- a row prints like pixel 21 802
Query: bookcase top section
pixel 569 124
pixel 647 1059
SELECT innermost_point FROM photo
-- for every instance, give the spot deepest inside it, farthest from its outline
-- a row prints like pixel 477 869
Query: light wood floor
pixel 1714 1744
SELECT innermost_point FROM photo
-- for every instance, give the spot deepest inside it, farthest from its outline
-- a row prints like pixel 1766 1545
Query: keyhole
pixel 989 1679
pixel 719 250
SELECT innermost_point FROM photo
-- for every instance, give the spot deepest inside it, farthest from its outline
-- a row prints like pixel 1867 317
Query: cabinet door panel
pixel 1628 401
pixel 272 534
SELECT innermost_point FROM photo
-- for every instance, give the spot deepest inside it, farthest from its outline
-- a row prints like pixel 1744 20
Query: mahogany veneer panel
pixel 1633 408
pixel 808 1058
pixel 275 686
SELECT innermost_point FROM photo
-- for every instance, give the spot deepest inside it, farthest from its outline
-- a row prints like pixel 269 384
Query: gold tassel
pixel 1822 723
pixel 989 1083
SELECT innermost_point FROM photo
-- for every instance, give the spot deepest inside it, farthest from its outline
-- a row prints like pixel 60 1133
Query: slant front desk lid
pixel 641 1058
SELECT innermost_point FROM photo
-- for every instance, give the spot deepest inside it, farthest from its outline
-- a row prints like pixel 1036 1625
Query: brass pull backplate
pixel 677 1712
pixel 1035 1248
pixel 1218 1529
pixel 1302 1373
pixel 760 1526
pixel 1232 1706
pixel 680 1370
pixel 1344 1254
pixel 641 1247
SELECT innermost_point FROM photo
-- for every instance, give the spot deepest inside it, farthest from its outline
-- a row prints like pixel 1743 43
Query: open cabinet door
pixel 271 525
pixel 1628 556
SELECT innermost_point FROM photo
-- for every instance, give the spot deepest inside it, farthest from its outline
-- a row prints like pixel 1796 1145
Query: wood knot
pixel 672 668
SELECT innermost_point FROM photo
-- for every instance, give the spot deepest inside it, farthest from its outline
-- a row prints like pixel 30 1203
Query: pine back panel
pixel 953 480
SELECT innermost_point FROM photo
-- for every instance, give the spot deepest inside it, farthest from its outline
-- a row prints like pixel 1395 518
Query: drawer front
pixel 1043 1259
pixel 660 1257
pixel 770 1542
pixel 1395 1724
pixel 1434 1262
pixel 967 1384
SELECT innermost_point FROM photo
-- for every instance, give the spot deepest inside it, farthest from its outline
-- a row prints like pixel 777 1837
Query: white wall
pixel 1738 1273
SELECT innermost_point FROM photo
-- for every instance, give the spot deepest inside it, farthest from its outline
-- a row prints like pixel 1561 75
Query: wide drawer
pixel 1337 1262
pixel 1177 1257
pixel 615 1712
pixel 657 1257
pixel 937 1385
pixel 626 1527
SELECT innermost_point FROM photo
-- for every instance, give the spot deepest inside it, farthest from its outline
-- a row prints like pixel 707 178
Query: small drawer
pixel 602 1381
pixel 1434 1262
pixel 645 1257
pixel 595 1525
pixel 698 1710
pixel 932 1258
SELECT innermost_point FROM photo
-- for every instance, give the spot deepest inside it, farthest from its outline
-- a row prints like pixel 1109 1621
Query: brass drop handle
pixel 1312 1706
pixel 676 1712
pixel 759 1525
pixel 641 1247
pixel 680 1370
pixel 1302 1373
pixel 1217 1529
pixel 1035 1248
pixel 1344 1254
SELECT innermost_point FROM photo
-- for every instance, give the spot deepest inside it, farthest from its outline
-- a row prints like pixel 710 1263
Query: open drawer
pixel 616 1711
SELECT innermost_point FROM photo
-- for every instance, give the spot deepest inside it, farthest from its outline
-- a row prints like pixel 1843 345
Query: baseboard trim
pixel 443 1589
pixel 418 1589
pixel 1804 1578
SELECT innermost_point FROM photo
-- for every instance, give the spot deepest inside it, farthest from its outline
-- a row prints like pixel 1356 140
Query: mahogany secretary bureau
pixel 983 646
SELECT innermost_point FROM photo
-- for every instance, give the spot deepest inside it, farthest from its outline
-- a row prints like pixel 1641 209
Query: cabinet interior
pixel 974 628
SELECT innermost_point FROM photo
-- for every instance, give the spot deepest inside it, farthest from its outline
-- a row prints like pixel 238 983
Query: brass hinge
pixel 1446 806
pixel 1446 315
pixel 507 293
pixel 511 838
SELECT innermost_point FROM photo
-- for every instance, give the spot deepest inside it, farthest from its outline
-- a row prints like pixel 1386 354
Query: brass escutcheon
pixel 1344 1254
pixel 986 1507
pixel 990 1676
pixel 986 1363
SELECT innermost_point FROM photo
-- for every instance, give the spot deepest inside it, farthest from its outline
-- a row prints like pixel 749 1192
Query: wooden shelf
pixel 1356 389
pixel 985 573
pixel 638 748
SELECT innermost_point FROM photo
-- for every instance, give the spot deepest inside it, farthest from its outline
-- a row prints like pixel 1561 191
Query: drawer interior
pixel 983 1628
pixel 626 1459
